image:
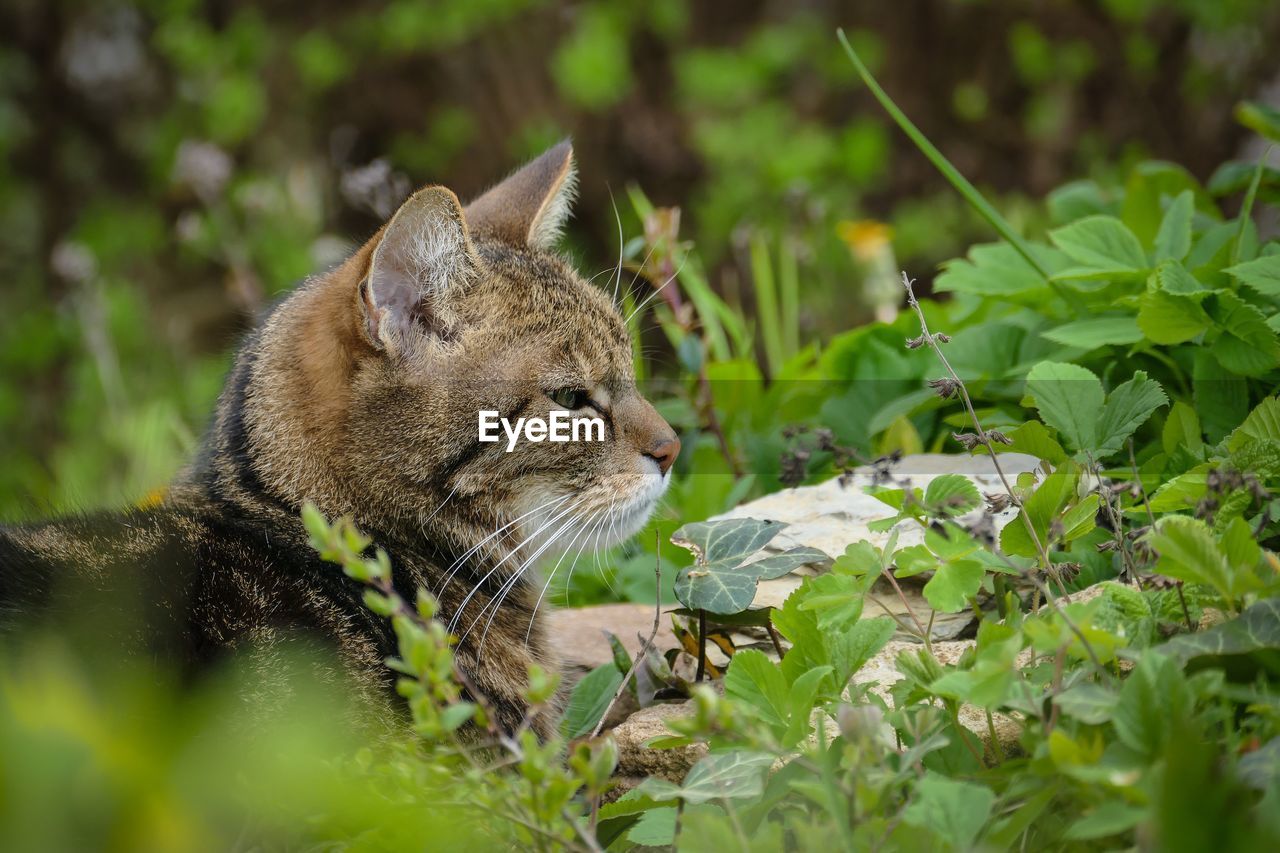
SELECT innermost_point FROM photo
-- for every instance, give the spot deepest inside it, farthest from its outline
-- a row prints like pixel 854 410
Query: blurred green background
pixel 170 166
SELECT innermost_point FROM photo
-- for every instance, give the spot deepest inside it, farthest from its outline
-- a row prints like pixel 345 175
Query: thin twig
pixel 995 462
pixel 702 646
pixel 648 644
pixel 924 633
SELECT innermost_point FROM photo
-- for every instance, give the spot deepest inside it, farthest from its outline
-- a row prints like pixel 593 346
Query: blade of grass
pixel 957 180
pixel 789 299
pixel 766 303
pixel 1246 208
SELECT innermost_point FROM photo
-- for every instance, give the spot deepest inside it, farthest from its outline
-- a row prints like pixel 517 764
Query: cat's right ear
pixel 423 258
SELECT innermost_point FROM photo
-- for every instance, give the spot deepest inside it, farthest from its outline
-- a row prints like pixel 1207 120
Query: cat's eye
pixel 569 398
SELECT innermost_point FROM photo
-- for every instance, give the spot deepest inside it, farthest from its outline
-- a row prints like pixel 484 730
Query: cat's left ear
pixel 530 207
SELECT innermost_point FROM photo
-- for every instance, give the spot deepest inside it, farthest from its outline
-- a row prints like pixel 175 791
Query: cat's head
pixel 373 379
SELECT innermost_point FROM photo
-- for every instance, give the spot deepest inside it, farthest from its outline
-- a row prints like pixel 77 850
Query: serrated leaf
pixel 1044 505
pixel 1188 551
pixel 1096 332
pixel 727 775
pixel 1247 345
pixel 953 584
pixel 1262 274
pixel 1034 439
pixel 950 495
pixel 1168 318
pixel 993 269
pixel 836 599
pixel 1263 423
pixel 1069 399
pixel 1173 240
pixel 1256 629
pixel 728 539
pixel 1087 702
pixel 757 682
pixel 1220 396
pixel 1182 429
pixel 951 809
pixel 800 701
pixel 589 699
pixel 853 648
pixel 1127 408
pixel 1102 243
pixel 1172 277
pixel 655 828
pixel 1154 694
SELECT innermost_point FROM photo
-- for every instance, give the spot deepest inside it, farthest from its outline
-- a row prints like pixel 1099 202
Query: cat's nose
pixel 664 452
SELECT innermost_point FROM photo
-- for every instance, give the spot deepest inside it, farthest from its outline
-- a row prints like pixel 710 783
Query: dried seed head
pixel 942 338
pixel 998 501
pixel 967 439
pixel 998 437
pixel 915 343
pixel 946 387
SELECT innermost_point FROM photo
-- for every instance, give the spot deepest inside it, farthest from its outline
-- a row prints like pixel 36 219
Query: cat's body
pixel 360 392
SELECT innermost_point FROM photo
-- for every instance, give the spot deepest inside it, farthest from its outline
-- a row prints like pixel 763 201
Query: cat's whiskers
pixel 654 295
pixel 453 622
pixel 496 602
pixel 458 563
pixel 585 527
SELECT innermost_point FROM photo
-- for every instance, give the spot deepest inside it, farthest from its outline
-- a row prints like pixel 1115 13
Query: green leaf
pixel 1109 818
pixel 854 647
pixel 1127 408
pixel 729 539
pixel 1041 508
pixel 1260 118
pixel 1088 702
pixel 1173 240
pixel 1263 423
pixel 953 584
pixel 1182 429
pixel 1034 438
pixel 1080 519
pixel 1247 345
pixel 800 704
pixel 589 699
pixel 1096 332
pixel 656 828
pixel 757 682
pixel 1154 695
pixel 1100 243
pixel 1262 274
pixel 1256 629
pixel 1220 397
pixel 721 587
pixel 1069 399
pixel 954 811
pixel 950 495
pixel 777 565
pixel 726 775
pixel 1189 552
pixel 1168 318
pixel 993 269
pixel 1173 277
pixel 837 599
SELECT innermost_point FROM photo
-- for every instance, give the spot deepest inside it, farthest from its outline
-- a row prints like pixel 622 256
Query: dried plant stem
pixel 1013 496
pixel 644 650
pixel 924 632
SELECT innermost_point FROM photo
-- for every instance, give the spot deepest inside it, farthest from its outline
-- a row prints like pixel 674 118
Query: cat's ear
pixel 530 207
pixel 423 258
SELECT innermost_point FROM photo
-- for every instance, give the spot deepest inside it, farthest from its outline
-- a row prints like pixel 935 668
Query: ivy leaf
pixel 1262 274
pixel 726 775
pixel 1101 243
pixel 1173 240
pixel 777 565
pixel 1128 408
pixel 953 584
pixel 1069 398
pixel 730 539
pixel 1256 629
pixel 721 587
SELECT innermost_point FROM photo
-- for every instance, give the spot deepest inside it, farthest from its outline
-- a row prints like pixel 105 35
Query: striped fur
pixel 360 392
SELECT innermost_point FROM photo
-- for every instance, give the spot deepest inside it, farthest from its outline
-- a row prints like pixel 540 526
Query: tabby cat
pixel 360 392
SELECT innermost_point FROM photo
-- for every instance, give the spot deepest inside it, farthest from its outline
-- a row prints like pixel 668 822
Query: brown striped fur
pixel 360 392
